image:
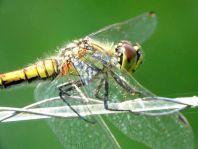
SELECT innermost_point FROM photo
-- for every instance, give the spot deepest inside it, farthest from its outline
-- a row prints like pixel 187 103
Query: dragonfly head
pixel 129 56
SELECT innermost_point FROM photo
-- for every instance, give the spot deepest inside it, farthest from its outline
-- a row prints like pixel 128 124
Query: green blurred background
pixel 33 29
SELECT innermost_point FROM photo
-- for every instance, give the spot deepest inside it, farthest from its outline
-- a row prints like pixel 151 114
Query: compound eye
pixel 129 51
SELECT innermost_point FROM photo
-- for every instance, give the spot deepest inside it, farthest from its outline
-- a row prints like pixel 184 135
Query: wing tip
pixel 151 14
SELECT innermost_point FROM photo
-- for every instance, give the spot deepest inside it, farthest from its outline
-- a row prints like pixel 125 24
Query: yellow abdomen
pixel 41 70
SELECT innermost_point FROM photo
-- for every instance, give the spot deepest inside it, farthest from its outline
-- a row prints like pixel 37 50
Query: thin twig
pixel 147 105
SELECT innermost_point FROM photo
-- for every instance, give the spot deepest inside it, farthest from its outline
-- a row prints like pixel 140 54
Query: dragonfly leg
pixel 97 91
pixel 126 86
pixel 106 99
pixel 64 94
pixel 66 88
pixel 121 81
pixel 106 95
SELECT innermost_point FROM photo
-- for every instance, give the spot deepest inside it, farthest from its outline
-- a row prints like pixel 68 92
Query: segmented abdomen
pixel 41 70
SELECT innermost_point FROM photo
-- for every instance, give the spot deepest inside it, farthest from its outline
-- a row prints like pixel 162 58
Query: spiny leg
pixel 104 82
pixel 119 80
pixel 106 93
pixel 64 94
pixel 106 96
pixel 126 86
pixel 67 87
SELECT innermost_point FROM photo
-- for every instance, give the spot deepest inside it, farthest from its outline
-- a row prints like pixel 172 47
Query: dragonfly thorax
pixel 76 49
pixel 73 50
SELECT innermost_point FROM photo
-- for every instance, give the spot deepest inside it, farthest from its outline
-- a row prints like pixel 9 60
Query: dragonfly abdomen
pixel 41 70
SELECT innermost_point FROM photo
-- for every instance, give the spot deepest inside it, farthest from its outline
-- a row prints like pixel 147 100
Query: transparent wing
pixel 136 29
pixel 156 132
pixel 76 133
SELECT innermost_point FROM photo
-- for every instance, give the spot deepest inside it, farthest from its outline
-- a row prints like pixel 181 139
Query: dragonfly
pixel 100 66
